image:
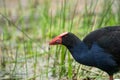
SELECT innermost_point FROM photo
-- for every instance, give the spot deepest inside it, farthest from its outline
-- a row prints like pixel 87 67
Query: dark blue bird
pixel 100 48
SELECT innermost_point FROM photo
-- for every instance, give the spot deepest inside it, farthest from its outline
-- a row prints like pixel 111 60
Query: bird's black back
pixel 108 38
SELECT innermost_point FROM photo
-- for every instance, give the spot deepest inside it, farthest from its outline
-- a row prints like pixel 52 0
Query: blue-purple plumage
pixel 100 48
pixel 107 38
pixel 96 56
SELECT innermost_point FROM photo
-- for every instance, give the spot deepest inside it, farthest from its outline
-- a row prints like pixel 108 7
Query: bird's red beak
pixel 58 39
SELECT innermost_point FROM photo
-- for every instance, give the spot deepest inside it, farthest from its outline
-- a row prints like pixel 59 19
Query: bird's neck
pixel 78 50
pixel 81 54
pixel 78 47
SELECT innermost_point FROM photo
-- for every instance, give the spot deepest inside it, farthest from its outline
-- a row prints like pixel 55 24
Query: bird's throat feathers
pixel 78 48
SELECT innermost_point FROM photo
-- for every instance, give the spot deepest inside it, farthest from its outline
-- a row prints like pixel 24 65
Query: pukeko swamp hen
pixel 100 48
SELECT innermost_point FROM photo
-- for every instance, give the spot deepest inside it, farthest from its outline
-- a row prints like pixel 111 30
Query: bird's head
pixel 68 39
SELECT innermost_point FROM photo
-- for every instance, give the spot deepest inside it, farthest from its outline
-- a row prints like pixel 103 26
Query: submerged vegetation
pixel 26 31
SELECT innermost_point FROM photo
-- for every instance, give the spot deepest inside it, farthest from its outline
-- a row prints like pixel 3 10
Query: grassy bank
pixel 24 38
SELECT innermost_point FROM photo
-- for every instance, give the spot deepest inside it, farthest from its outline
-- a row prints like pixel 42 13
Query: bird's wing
pixel 98 34
pixel 107 38
pixel 110 42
